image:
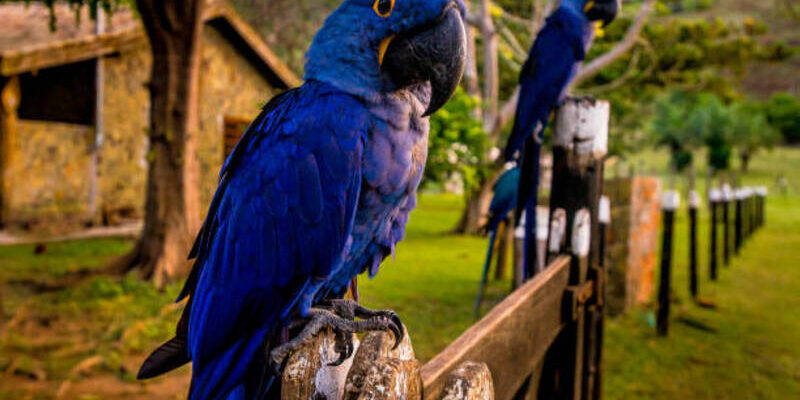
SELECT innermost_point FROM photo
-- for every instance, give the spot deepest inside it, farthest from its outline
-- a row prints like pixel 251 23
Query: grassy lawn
pixel 90 338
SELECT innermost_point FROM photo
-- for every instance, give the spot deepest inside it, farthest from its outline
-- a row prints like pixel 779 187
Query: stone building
pixel 75 109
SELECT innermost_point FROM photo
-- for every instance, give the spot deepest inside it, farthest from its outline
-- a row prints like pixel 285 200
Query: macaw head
pixel 601 11
pixel 372 47
pixel 604 11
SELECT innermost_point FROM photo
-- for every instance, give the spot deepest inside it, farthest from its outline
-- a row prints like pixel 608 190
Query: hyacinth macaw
pixel 503 202
pixel 317 191
pixel 552 63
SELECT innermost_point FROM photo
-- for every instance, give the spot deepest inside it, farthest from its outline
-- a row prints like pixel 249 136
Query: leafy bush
pixel 457 144
pixel 783 113
pixel 669 128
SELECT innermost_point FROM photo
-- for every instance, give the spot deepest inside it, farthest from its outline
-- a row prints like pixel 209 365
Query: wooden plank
pixel 69 51
pixel 511 339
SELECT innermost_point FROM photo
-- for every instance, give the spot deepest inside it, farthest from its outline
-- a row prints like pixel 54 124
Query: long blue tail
pixel 485 276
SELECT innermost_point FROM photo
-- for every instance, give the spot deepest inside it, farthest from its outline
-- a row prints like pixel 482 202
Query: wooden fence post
pixel 595 377
pixel 737 234
pixel 375 372
pixel 753 210
pixel 761 195
pixel 714 198
pixel 470 381
pixel 746 228
pixel 580 143
pixel 727 197
pixel 694 204
pixel 670 202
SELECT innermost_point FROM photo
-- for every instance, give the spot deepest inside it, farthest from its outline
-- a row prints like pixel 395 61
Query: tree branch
pixel 621 48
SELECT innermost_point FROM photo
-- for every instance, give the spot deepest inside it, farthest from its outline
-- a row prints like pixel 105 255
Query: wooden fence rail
pixel 512 339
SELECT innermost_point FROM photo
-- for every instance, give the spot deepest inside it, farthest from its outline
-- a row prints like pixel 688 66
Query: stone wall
pixel 126 115
pixel 51 173
pixel 53 160
pixel 632 241
pixel 229 86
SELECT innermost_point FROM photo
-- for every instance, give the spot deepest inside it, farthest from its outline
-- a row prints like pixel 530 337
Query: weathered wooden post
pixel 542 224
pixel 746 201
pixel 9 102
pixel 670 202
pixel 737 233
pixel 753 210
pixel 594 383
pixel 580 143
pixel 761 195
pixel 694 204
pixel 714 198
pixel 727 197
pixel 375 372
pixel 519 254
pixel 470 381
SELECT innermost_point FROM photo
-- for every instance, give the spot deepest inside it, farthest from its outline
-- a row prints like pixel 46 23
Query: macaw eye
pixel 383 8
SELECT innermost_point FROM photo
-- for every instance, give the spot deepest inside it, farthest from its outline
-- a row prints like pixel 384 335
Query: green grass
pixel 751 353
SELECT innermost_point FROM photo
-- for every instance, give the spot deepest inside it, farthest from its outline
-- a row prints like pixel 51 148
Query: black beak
pixel 604 10
pixel 434 53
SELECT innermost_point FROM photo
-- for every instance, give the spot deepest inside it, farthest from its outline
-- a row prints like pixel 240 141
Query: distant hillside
pixel 764 79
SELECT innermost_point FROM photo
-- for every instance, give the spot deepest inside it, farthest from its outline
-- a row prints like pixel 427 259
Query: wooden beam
pixel 69 51
pixel 511 339
pixel 9 102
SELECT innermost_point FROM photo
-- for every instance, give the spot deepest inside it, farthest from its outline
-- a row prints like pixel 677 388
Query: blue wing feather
pixel 276 229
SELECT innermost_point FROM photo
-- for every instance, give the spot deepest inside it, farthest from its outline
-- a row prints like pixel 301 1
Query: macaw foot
pixel 340 316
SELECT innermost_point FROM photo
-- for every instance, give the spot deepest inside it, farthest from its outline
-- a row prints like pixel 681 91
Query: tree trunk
pixel 745 159
pixel 476 210
pixel 172 205
pixel 491 67
pixel 471 80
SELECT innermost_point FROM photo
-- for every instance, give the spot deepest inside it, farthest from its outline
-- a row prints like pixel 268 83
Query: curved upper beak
pixel 435 53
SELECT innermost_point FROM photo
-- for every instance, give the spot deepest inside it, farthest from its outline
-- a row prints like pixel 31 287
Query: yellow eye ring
pixel 383 8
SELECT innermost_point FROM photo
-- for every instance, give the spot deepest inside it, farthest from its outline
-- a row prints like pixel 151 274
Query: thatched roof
pixel 28 44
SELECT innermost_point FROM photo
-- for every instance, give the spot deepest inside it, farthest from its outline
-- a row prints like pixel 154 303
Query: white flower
pixel 494 153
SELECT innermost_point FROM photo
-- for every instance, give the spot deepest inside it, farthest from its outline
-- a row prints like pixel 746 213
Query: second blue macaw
pixel 317 191
pixel 503 202
pixel 552 63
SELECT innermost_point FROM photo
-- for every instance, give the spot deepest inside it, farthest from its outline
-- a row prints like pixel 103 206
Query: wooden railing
pixel 512 339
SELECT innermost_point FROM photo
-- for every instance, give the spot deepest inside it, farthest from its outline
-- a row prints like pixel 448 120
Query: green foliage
pixel 710 119
pixel 675 53
pixel 457 144
pixel 667 7
pixel 683 121
pixel 94 6
pixel 670 128
pixel 783 113
pixel 750 131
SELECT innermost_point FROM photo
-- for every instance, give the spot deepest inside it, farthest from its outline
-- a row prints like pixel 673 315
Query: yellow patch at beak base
pixel 588 6
pixel 598 29
pixel 382 49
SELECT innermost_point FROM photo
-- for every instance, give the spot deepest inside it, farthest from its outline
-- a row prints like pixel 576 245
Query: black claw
pixel 343 340
pixel 277 366
pixel 397 330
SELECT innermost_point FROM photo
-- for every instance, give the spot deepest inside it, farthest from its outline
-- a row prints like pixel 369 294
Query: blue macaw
pixel 552 63
pixel 317 191
pixel 503 202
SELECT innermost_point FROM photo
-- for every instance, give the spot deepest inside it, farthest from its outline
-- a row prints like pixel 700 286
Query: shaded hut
pixel 75 109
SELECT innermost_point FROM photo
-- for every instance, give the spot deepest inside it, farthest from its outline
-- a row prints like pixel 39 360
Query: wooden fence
pixel 543 341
